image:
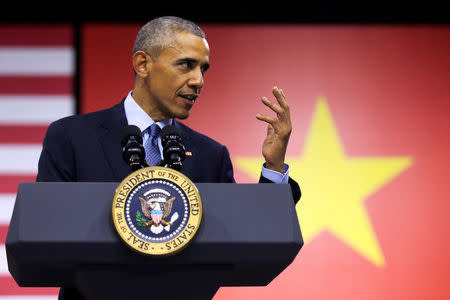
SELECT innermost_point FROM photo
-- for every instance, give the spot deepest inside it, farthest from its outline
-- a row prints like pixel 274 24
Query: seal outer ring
pixel 119 213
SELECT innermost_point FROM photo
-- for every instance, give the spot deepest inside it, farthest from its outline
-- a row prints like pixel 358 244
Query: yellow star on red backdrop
pixel 334 186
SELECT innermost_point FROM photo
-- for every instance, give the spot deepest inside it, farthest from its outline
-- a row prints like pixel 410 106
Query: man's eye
pixel 186 64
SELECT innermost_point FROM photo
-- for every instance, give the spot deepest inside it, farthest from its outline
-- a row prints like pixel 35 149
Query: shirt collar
pixel 137 116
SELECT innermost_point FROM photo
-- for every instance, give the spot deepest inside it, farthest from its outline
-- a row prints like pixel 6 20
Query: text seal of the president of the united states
pixel 156 211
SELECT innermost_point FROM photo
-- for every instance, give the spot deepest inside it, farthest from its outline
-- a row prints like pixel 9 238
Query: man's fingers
pixel 267 119
pixel 276 108
pixel 282 122
pixel 281 98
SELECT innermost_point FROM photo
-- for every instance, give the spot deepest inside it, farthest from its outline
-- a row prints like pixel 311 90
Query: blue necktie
pixel 152 154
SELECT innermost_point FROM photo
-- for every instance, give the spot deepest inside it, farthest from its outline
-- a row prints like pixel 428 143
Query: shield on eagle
pixel 156 213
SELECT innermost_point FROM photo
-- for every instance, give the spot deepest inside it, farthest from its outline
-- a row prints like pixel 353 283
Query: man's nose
pixel 196 81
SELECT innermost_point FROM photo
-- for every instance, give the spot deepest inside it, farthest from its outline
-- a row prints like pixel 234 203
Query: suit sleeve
pixel 227 175
pixel 295 188
pixel 56 162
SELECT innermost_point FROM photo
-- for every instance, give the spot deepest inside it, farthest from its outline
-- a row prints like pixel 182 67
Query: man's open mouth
pixel 189 97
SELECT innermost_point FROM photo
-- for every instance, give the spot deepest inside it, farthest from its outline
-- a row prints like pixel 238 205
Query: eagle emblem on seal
pixel 156 205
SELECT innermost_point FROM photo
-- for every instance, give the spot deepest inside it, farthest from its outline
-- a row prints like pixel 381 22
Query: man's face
pixel 176 76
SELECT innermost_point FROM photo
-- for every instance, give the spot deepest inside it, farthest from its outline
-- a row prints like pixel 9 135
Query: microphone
pixel 133 152
pixel 174 152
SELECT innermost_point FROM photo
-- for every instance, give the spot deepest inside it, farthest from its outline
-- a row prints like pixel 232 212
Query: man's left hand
pixel 278 131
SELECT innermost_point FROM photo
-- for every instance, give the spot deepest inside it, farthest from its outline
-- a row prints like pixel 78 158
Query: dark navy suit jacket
pixel 88 148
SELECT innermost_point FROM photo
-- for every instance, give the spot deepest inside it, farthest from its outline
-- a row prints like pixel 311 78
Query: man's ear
pixel 142 63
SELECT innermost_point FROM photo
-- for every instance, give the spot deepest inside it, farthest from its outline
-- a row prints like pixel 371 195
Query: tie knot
pixel 154 130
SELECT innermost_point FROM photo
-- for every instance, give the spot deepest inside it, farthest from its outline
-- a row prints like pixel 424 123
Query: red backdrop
pixel 370 110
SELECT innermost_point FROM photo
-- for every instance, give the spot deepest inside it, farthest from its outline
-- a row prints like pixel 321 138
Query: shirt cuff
pixel 275 176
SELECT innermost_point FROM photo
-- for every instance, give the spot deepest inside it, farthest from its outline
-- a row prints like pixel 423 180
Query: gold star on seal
pixel 335 186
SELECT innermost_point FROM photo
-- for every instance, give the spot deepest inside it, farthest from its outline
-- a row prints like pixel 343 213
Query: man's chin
pixel 183 116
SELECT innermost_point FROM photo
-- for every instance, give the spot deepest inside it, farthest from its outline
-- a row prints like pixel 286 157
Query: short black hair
pixel 157 34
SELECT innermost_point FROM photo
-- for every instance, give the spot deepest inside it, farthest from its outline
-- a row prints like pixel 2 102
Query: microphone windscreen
pixel 131 131
pixel 169 130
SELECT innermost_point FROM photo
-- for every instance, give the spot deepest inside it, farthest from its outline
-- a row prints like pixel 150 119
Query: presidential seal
pixel 156 211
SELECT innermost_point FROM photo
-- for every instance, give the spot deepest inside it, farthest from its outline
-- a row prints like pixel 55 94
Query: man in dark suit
pixel 170 58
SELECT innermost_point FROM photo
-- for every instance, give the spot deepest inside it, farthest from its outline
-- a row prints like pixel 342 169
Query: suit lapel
pixel 112 128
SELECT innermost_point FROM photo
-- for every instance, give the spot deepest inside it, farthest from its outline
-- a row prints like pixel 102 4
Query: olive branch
pixel 141 221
